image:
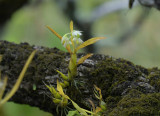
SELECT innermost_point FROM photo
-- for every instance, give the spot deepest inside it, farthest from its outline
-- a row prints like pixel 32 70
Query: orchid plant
pixel 73 43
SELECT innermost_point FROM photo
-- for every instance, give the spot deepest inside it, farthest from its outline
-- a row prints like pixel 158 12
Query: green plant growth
pixel 3 82
pixel 61 99
pixel 73 43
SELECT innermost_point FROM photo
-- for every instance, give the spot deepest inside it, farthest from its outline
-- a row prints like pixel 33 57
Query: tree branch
pixel 115 77
pixel 107 8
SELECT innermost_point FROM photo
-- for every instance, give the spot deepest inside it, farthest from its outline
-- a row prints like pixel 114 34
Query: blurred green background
pixel 131 34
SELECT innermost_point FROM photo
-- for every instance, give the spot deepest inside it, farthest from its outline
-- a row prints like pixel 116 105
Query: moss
pixel 112 72
pixel 123 89
pixel 136 103
pixel 111 102
pixel 154 78
pixel 45 62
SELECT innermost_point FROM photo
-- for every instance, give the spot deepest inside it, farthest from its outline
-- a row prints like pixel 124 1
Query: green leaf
pixel 71 26
pixel 81 110
pixel 60 90
pixel 63 76
pixel 98 92
pixel 81 60
pixel 53 31
pixel 88 42
pixel 64 84
pixel 53 91
pixel 56 101
pixel 73 113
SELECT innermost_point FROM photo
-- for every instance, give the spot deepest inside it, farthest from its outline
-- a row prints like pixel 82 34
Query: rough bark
pixel 127 89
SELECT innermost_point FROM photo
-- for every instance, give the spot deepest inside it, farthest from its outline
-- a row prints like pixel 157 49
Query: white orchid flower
pixel 66 40
pixel 76 33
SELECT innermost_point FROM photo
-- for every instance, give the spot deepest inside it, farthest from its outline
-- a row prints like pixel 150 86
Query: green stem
pixel 72 66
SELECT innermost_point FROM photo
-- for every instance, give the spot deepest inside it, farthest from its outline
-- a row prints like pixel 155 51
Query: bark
pixel 117 78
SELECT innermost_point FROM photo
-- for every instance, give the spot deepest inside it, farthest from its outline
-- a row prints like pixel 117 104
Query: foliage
pixel 73 43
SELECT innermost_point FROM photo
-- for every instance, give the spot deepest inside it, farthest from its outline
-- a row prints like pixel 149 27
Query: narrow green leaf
pixel 73 113
pixel 64 84
pixel 81 110
pixel 60 90
pixel 64 102
pixel 81 60
pixel 98 109
pixel 99 92
pixel 56 101
pixel 88 42
pixel 53 91
pixel 53 31
pixel 63 76
pixel 71 25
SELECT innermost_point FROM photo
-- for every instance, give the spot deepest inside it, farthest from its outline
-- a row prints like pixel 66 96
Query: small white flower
pixel 77 41
pixel 63 39
pixel 76 33
pixel 80 40
pixel 66 40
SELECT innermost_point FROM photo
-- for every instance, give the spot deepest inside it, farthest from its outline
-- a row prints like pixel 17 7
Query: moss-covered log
pixel 128 89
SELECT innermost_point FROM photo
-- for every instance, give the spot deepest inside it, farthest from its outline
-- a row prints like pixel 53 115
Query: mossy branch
pixel 115 77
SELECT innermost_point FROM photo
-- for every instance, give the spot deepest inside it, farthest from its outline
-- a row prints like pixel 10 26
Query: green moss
pixel 113 75
pixel 154 78
pixel 45 62
pixel 111 72
pixel 111 102
pixel 136 103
